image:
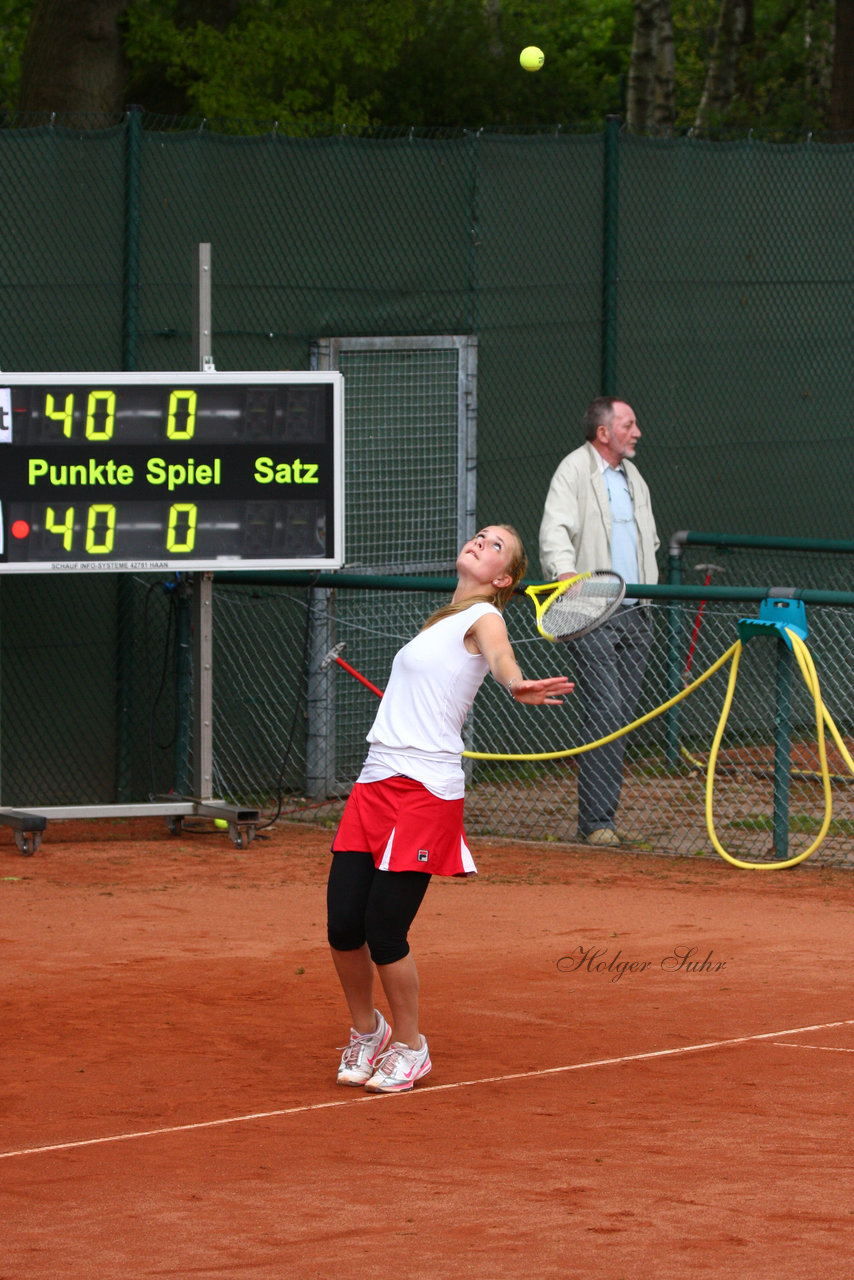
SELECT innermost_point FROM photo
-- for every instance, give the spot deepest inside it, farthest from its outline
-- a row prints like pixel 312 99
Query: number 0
pixel 187 400
pixel 104 515
pixel 100 402
pixel 181 512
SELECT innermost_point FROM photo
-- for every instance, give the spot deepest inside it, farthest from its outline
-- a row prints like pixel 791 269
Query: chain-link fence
pixel 721 559
pixel 709 283
pixel 96 689
pixel 308 727
pixel 108 712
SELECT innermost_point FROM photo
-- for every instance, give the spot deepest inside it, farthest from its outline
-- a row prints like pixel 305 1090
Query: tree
pixel 300 64
pixel 842 82
pixel 424 63
pixel 14 20
pixel 460 65
pixel 72 59
pixel 651 102
pixel 734 29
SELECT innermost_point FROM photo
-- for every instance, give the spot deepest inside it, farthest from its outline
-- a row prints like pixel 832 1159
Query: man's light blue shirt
pixel 624 538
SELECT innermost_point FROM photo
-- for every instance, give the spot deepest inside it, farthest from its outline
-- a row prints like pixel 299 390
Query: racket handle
pixel 362 679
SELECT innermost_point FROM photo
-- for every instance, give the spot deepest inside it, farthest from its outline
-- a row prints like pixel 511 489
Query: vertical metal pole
pixel 124 687
pixel 203 582
pixel 320 708
pixel 183 686
pixel 674 650
pixel 130 283
pixel 202 329
pixel 203 685
pixel 609 256
pixel 782 748
pixel 130 335
pixel 467 435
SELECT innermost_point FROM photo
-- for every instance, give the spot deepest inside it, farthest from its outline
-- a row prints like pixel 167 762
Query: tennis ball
pixel 532 58
pixel 221 824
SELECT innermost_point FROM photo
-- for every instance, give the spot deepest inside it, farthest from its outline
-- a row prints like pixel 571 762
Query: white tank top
pixel 418 728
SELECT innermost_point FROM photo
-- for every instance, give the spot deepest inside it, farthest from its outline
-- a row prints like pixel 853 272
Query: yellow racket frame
pixel 552 590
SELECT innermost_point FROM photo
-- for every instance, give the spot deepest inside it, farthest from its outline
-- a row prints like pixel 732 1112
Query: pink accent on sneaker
pixel 399 1068
pixel 359 1060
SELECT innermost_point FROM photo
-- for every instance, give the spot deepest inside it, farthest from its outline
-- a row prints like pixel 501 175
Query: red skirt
pixel 405 827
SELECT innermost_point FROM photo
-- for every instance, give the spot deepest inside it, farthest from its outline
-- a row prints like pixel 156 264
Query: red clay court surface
pixel 171 1027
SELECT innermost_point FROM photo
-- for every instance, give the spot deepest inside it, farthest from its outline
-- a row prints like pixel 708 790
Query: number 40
pixel 101 528
pixel 101 414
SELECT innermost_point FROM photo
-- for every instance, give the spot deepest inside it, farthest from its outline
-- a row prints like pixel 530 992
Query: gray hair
pixel 600 410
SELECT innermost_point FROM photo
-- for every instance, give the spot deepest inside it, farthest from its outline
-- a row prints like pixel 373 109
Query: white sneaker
pixel 399 1068
pixel 360 1058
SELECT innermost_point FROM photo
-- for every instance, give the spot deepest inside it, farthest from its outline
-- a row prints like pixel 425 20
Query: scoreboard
pixel 165 471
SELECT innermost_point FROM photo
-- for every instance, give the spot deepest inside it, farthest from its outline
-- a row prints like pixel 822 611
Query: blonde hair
pixel 500 598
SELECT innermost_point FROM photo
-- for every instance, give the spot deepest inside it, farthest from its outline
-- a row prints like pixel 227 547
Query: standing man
pixel 598 516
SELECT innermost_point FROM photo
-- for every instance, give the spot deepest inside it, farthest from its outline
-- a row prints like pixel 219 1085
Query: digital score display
pixel 164 471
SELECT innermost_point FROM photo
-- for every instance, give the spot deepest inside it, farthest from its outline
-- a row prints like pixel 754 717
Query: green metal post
pixel 130 299
pixel 130 327
pixel 674 664
pixel 782 748
pixel 609 257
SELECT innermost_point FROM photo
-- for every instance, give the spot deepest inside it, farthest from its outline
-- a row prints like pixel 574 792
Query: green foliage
pixel 785 72
pixel 784 69
pixel 431 63
pixel 420 63
pixel 458 70
pixel 287 60
pixel 14 20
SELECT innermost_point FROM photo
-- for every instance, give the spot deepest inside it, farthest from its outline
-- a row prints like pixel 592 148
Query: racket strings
pixel 580 606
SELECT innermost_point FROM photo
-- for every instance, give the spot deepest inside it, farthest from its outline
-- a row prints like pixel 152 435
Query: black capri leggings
pixel 366 905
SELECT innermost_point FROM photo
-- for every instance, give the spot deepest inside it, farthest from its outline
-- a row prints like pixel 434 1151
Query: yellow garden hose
pixel 822 718
pixel 618 733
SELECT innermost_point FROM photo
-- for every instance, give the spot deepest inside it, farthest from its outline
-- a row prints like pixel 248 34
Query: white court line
pixel 423 1090
pixel 823 1048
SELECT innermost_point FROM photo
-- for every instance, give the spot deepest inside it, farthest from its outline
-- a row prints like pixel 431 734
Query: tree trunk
pixel 641 90
pixel 665 71
pixel 72 59
pixel 492 18
pixel 651 95
pixel 734 20
pixel 842 80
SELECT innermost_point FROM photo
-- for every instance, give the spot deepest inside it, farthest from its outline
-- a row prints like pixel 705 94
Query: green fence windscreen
pixel 717 293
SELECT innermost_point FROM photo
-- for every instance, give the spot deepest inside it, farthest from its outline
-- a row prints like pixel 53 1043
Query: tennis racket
pixel 571 609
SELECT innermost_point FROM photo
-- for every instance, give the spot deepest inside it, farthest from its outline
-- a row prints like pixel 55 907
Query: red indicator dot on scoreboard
pixel 20 529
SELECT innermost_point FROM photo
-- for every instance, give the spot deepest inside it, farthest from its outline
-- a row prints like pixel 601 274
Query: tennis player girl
pixel 403 821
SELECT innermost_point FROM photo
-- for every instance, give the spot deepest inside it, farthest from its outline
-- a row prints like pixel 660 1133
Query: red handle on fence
pixel 362 679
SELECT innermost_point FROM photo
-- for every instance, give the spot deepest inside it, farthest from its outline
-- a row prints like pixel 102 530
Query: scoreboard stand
pixel 28 828
pixel 170 472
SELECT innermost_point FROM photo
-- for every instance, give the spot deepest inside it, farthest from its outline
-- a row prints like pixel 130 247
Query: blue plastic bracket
pixel 777 614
